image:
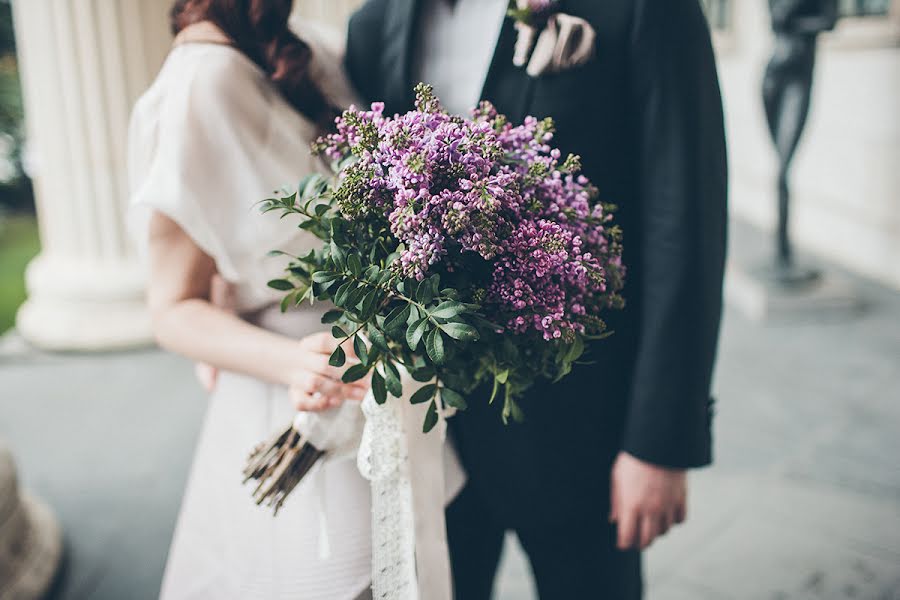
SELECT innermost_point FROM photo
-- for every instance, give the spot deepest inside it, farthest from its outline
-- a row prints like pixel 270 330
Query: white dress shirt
pixel 455 45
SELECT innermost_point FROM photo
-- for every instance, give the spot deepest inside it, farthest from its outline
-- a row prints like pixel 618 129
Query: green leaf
pixel 354 373
pixel 502 376
pixel 359 347
pixel 374 354
pixel 368 305
pixel 448 310
pixel 453 398
pixel 325 276
pixel 392 379
pixel 287 300
pixel 337 358
pixel 332 316
pixel 281 284
pixel 511 409
pixel 415 332
pixel 495 389
pixel 354 265
pixel 431 418
pixel 299 271
pixel 378 388
pixel 337 332
pixel 372 273
pixel 435 284
pixel 311 186
pixel 356 296
pixel 423 394
pixel 460 331
pixel 337 255
pixel 377 338
pixel 397 318
pixel 425 293
pixel 385 276
pixel 423 374
pixel 340 297
pixel 409 287
pixel 434 345
pixel 576 349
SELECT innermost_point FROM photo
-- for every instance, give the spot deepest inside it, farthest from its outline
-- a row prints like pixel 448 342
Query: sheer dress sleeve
pixel 195 144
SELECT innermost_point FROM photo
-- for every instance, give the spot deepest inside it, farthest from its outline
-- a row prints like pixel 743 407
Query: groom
pixel 597 470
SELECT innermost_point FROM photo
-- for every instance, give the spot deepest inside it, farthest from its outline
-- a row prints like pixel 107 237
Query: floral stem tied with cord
pixel 464 251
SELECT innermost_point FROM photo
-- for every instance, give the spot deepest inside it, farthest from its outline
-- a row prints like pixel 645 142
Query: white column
pixel 83 64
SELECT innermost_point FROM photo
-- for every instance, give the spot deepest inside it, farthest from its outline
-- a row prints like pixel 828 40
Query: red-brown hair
pixel 259 29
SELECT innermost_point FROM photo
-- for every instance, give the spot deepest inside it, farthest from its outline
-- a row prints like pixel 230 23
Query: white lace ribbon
pixel 410 559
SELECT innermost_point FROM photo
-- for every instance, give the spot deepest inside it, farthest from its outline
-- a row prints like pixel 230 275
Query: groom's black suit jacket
pixel 646 117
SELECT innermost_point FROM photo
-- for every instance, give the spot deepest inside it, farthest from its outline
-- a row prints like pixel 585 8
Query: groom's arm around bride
pixel 645 116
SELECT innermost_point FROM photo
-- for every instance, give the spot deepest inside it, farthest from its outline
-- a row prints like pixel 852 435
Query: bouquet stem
pixel 279 464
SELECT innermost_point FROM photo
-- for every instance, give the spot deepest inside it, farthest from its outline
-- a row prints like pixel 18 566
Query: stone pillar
pixel 83 64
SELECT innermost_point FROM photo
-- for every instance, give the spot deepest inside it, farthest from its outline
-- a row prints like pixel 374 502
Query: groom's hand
pixel 646 500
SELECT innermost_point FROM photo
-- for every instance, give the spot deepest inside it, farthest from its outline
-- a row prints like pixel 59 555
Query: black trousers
pixel 572 559
pixel 547 480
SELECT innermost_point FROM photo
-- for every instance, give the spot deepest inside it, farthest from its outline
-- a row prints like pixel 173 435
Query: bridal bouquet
pixel 463 251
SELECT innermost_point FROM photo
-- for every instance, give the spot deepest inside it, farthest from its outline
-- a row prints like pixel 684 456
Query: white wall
pixel 846 176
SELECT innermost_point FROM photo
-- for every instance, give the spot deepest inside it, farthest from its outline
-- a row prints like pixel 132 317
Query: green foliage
pixel 18 244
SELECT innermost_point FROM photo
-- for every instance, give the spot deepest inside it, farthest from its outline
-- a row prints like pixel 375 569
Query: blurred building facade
pixel 84 62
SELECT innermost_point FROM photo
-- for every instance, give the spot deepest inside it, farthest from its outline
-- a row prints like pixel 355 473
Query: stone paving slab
pixel 106 440
pixel 782 539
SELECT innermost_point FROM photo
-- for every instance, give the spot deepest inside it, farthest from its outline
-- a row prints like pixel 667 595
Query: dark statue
pixel 786 95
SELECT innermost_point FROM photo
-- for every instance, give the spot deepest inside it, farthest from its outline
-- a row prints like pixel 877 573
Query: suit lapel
pixel 398 39
pixel 508 87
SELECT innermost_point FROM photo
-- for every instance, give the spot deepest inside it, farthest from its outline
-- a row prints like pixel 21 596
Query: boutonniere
pixel 549 41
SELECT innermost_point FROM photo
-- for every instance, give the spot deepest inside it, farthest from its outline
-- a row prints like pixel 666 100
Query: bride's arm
pixel 185 322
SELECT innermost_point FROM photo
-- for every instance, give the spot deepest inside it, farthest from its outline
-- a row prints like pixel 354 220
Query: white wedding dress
pixel 208 140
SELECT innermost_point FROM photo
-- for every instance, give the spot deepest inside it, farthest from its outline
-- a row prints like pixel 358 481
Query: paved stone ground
pixel 804 500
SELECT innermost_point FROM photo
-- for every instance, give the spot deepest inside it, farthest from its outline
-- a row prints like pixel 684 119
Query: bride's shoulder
pixel 215 70
pixel 202 82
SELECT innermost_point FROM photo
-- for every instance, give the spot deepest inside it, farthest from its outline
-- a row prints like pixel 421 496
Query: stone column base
pixel 80 305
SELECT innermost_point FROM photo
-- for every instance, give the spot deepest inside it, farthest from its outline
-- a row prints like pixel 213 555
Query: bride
pixel 228 120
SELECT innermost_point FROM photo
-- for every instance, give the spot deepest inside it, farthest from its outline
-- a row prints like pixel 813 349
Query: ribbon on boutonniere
pixel 549 41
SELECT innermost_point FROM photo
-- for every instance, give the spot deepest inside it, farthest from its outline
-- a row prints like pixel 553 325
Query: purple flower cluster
pixel 454 189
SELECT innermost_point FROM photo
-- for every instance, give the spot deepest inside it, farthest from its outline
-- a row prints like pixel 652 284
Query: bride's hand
pixel 316 385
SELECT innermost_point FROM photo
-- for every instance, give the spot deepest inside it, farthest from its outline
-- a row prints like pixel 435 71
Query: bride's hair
pixel 259 29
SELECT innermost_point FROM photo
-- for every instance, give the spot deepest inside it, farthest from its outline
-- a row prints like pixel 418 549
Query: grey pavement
pixel 803 501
